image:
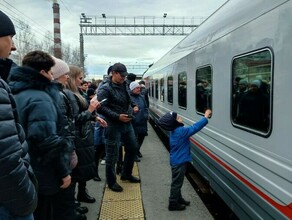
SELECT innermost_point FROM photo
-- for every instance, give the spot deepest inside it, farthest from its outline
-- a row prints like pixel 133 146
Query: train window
pixel 156 89
pixel 170 89
pixel 203 89
pixel 251 91
pixel 182 89
pixel 162 90
pixel 152 89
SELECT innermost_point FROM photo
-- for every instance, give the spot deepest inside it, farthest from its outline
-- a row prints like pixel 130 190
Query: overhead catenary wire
pixel 15 15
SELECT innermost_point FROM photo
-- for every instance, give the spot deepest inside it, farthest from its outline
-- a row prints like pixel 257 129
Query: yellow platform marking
pixel 123 205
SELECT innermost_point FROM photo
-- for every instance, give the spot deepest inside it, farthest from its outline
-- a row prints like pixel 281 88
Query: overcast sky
pixel 101 51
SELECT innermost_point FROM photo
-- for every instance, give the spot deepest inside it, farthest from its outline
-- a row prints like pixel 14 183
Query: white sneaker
pixel 102 162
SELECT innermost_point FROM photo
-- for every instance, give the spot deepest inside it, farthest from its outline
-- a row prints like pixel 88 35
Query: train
pixel 244 152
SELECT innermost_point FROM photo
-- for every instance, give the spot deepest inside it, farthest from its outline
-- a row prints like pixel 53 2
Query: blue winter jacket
pixel 180 151
pixel 38 106
pixel 17 182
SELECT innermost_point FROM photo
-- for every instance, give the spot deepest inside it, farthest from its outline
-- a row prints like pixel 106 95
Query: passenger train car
pixel 238 62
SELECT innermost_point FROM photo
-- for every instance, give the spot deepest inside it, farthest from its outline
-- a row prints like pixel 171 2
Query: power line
pixel 16 15
pixel 65 6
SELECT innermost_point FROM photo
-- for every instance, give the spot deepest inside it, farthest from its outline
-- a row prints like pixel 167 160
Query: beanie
pixel 6 25
pixel 90 92
pixel 174 115
pixel 142 82
pixel 243 82
pixel 134 85
pixel 256 82
pixel 60 68
pixel 131 77
pixel 168 121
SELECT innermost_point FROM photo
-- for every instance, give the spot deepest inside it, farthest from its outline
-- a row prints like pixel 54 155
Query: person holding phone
pixel 117 111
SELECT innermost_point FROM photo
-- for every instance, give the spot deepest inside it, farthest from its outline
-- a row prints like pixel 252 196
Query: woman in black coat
pixel 86 168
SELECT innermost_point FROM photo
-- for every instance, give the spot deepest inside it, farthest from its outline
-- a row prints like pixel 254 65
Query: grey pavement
pixel 155 174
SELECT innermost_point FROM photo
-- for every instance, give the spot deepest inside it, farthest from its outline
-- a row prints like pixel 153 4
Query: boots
pixel 184 202
pixel 82 195
pixel 176 207
pixel 97 178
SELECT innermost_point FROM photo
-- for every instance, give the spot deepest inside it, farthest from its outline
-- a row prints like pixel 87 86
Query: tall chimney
pixel 57 30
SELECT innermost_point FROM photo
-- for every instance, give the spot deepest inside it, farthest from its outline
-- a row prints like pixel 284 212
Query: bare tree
pixel 71 56
pixel 48 43
pixel 24 41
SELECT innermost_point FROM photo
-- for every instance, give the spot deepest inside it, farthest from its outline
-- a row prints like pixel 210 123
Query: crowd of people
pixel 56 128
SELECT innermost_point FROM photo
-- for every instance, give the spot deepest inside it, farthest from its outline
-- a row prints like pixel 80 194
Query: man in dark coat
pixel 117 112
pixel 38 102
pixel 18 196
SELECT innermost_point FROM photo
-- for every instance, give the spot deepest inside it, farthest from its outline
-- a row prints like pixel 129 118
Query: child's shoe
pixel 176 207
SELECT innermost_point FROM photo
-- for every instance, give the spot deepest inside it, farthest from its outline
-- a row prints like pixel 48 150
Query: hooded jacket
pixel 179 138
pixel 18 183
pixel 38 102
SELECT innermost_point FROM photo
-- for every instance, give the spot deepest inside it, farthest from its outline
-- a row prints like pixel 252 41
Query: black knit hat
pixel 168 121
pixel 6 25
pixel 90 92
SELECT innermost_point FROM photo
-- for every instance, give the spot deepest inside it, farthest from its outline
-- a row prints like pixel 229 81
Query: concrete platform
pixel 153 192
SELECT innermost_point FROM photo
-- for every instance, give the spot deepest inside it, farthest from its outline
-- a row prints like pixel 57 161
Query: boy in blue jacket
pixel 180 153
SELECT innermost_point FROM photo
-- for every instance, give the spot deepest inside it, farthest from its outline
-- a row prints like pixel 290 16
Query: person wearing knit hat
pixel 7 31
pixel 140 118
pixel 180 153
pixel 134 85
pixel 256 83
pixel 60 68
pixel 18 199
pixel 6 26
pixel 60 73
pixel 169 121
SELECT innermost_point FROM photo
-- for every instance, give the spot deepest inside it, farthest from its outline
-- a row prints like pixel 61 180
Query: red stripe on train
pixel 286 210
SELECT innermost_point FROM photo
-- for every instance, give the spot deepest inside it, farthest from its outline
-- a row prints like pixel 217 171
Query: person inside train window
pixel 253 108
pixel 180 153
pixel 242 89
pixel 203 94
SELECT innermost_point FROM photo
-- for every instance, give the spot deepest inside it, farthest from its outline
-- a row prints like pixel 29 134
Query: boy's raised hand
pixel 208 113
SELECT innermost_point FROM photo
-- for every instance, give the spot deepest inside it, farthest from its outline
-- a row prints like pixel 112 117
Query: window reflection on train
pixel 170 89
pixel 162 90
pixel 251 90
pixel 203 89
pixel 251 75
pixel 182 90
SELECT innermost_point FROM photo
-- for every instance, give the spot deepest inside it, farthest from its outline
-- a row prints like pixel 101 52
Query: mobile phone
pixel 130 116
pixel 102 101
